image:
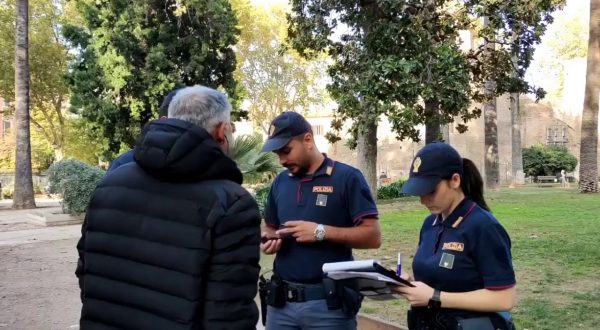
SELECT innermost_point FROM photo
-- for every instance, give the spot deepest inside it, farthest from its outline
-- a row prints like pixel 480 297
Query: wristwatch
pixel 435 301
pixel 320 233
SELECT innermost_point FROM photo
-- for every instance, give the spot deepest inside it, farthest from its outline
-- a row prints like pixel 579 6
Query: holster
pixel 275 294
pixel 262 294
pixel 342 295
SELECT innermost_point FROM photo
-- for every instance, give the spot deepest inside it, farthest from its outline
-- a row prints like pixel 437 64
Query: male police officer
pixel 317 211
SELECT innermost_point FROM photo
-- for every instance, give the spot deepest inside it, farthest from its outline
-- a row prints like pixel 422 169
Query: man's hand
pixel 418 296
pixel 269 244
pixel 302 231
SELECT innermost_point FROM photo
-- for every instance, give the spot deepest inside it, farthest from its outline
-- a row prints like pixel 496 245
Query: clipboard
pixel 372 278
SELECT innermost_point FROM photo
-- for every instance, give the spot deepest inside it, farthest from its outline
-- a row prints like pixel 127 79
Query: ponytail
pixel 471 183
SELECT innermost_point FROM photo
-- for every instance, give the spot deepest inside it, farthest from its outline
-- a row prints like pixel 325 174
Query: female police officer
pixel 463 266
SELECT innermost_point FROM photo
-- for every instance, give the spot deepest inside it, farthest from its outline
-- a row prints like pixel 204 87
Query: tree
pixel 131 54
pixel 84 142
pixel 516 150
pixel 23 197
pixel 510 32
pixel 588 150
pixel 256 166
pixel 490 116
pixel 517 174
pixel 401 59
pixel 274 78
pixel 547 160
pixel 386 58
pixel 48 66
pixel 41 153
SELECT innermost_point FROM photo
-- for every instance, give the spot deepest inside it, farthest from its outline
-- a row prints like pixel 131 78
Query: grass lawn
pixel 556 253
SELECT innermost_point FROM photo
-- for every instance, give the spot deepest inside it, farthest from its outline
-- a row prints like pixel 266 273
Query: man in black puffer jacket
pixel 171 241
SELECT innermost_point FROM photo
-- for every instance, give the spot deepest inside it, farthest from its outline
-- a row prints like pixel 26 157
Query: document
pixel 373 279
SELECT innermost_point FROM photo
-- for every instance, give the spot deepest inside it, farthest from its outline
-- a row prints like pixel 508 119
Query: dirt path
pixel 38 288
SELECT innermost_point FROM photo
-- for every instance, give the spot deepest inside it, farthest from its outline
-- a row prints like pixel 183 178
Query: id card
pixel 321 200
pixel 447 261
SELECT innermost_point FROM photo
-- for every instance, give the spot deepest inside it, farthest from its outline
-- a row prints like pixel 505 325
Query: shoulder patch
pixel 329 170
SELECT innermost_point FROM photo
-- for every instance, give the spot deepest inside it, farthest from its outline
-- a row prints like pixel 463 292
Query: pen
pixel 399 264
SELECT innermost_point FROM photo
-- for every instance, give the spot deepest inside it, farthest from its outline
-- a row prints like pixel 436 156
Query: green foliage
pixel 256 166
pixel 84 141
pixel 392 57
pixel 75 181
pixel 48 58
pixel 262 194
pixel 547 160
pixel 542 223
pixel 131 54
pixel 274 77
pixel 42 154
pixel 391 191
pixel 7 191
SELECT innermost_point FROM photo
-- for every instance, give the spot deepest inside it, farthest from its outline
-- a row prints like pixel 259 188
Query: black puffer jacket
pixel 171 241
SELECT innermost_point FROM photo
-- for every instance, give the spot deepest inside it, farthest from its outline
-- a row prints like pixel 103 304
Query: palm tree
pixel 256 166
pixel 23 194
pixel 515 120
pixel 517 152
pixel 588 150
pixel 492 171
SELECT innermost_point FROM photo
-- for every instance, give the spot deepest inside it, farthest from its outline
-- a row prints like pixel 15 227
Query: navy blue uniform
pixel 336 195
pixel 468 251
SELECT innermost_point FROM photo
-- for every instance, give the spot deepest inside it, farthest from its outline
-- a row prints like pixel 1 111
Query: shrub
pixel 547 160
pixel 262 194
pixel 255 165
pixel 7 191
pixel 75 181
pixel 393 190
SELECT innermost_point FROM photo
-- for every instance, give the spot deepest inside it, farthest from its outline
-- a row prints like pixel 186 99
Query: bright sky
pixel 267 3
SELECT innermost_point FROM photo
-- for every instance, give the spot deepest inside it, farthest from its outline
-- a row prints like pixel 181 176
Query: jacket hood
pixel 177 150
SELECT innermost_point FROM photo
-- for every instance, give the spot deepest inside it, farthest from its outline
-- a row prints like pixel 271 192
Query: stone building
pixel 539 125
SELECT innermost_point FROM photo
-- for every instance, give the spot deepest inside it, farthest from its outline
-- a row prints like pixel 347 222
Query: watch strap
pixel 435 301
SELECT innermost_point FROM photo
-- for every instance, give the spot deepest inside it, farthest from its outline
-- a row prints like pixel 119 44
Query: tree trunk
pixel 518 177
pixel 517 173
pixel 445 133
pixel 492 163
pixel 432 121
pixel 58 153
pixel 23 194
pixel 588 150
pixel 366 149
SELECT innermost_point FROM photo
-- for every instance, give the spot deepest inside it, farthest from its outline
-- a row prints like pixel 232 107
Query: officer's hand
pixel 302 231
pixel 270 245
pixel 417 296
pixel 406 276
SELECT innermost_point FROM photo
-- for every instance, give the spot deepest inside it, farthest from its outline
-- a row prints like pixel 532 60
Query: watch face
pixel 320 233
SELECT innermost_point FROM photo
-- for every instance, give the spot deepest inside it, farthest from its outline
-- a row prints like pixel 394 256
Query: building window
pixel 557 135
pixel 317 129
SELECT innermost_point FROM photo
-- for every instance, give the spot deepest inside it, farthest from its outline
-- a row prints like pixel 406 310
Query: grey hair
pixel 201 106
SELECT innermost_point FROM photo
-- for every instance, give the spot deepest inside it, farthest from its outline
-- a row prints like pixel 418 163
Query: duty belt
pixel 296 292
